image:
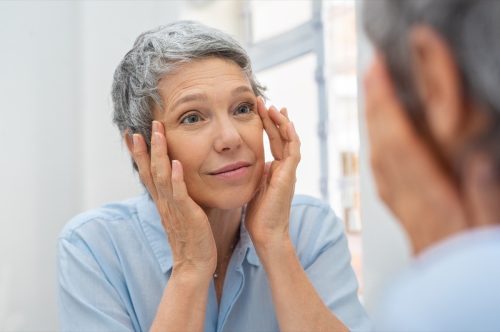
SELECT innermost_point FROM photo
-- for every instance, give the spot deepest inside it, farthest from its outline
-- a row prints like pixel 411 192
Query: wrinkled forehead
pixel 202 79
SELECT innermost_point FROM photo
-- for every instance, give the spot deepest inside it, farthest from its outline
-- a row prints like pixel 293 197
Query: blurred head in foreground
pixel 433 117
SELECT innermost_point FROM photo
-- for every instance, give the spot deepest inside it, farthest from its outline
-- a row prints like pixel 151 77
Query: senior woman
pixel 219 242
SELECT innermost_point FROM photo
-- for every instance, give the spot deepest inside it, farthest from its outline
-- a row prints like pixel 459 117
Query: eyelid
pixel 189 113
pixel 250 105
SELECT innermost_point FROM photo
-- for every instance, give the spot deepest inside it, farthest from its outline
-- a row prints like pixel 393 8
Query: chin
pixel 228 200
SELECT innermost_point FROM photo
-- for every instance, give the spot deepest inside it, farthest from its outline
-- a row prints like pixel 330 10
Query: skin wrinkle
pixel 220 82
pixel 159 53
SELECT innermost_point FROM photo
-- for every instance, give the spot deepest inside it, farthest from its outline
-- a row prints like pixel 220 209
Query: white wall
pixel 60 153
pixel 108 30
pixel 41 157
pixel 385 247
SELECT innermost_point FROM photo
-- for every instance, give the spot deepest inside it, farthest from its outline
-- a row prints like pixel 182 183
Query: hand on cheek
pixel 408 177
pixel 185 223
pixel 268 212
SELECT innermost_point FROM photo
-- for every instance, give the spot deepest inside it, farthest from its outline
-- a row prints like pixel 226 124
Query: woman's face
pixel 213 128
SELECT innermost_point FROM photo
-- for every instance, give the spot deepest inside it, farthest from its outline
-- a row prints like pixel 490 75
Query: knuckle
pixel 159 175
pixel 141 154
pixel 144 173
pixel 177 196
pixel 161 178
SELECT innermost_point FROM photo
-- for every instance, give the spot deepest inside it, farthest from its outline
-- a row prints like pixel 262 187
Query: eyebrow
pixel 241 89
pixel 203 97
pixel 190 97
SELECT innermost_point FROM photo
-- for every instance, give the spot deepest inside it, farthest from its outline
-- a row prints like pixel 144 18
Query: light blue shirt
pixel 454 286
pixel 115 261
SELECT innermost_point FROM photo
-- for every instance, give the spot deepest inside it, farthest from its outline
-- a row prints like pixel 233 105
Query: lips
pixel 230 167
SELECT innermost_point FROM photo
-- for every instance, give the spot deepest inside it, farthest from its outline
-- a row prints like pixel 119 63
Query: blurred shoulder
pixel 452 286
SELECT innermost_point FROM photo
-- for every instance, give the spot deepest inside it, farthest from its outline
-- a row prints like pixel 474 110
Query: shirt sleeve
pixel 87 299
pixel 323 250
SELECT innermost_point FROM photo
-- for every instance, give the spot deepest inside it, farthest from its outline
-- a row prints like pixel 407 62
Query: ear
pixel 129 141
pixel 439 86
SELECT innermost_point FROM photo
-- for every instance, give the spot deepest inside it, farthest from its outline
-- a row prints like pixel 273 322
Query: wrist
pixel 190 277
pixel 275 248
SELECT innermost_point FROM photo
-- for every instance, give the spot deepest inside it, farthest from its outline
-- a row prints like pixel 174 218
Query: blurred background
pixel 61 155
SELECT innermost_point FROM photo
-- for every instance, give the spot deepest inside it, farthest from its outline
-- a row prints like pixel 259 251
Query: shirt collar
pixel 155 234
pixel 247 244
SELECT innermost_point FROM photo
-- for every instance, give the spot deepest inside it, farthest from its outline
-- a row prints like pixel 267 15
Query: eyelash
pixel 250 106
pixel 183 119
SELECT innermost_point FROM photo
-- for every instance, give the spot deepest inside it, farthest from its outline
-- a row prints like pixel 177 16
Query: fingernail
pixel 156 127
pixel 175 168
pixel 135 140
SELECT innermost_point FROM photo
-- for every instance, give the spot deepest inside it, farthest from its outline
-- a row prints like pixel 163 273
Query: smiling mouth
pixel 232 168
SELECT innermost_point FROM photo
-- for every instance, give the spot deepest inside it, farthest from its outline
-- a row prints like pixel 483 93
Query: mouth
pixel 231 168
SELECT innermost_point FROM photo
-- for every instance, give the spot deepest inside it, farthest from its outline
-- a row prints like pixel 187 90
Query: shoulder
pixel 98 221
pixel 454 286
pixel 314 227
pixel 309 214
pixel 103 239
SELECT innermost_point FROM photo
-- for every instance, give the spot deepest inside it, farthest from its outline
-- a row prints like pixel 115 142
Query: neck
pixel 225 226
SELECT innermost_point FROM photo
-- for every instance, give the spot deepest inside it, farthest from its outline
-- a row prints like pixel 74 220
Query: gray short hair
pixel 470 27
pixel 155 54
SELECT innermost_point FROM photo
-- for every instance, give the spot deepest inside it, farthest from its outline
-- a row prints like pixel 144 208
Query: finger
pixel 279 121
pixel 272 131
pixel 284 111
pixel 184 204
pixel 283 174
pixel 160 163
pixel 481 189
pixel 267 172
pixel 179 190
pixel 141 157
pixel 292 149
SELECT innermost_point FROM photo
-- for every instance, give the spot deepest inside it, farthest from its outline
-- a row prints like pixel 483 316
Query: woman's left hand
pixel 268 212
pixel 297 305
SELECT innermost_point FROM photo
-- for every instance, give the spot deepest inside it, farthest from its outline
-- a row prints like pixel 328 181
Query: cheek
pixel 181 147
pixel 254 138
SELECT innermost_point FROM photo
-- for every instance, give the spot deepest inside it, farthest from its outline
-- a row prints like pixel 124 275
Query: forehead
pixel 205 75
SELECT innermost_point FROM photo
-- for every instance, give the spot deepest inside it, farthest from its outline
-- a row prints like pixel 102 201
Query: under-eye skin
pixel 190 118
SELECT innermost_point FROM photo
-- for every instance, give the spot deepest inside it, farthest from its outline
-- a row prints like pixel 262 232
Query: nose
pixel 227 137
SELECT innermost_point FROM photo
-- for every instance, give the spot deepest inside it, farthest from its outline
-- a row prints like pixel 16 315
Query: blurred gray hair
pixel 471 29
pixel 155 54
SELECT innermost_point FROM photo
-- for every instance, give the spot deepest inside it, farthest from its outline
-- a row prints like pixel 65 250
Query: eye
pixel 244 109
pixel 191 118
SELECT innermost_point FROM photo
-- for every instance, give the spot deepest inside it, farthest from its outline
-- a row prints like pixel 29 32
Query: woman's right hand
pixel 186 224
pixel 408 176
